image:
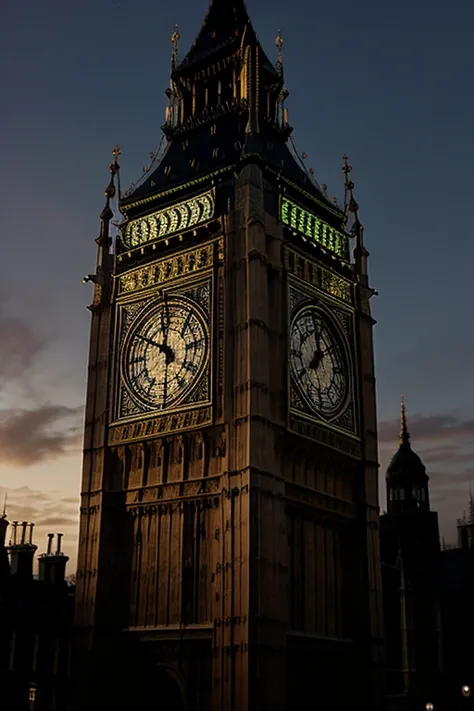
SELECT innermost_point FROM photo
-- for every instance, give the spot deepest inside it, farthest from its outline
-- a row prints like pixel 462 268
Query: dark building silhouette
pixel 229 539
pixel 410 550
pixel 457 594
pixel 36 615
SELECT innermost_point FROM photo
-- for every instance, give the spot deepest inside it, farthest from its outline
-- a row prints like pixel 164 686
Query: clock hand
pixel 150 341
pixel 317 359
pixel 168 323
pixel 162 347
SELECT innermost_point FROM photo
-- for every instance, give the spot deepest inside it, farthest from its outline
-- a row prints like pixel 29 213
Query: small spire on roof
pixel 110 190
pixel 404 434
pixel 4 514
pixel 357 229
pixel 104 240
pixel 350 203
pixel 279 42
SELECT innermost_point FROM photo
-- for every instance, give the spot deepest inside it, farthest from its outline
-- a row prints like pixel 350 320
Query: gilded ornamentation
pixel 177 218
pixel 324 436
pixel 313 229
pixel 347 420
pixel 139 387
pixel 318 276
pixel 159 426
pixel 166 270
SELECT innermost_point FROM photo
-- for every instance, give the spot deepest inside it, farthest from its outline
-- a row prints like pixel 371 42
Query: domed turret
pixel 407 481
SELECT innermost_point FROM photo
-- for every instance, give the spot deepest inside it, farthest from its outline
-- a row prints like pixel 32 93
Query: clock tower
pixel 229 555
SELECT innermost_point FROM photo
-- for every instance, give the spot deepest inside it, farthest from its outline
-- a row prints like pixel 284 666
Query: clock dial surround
pixel 318 362
pixel 165 353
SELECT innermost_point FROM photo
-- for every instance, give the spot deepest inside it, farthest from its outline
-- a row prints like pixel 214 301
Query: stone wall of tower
pixel 368 503
pixel 258 414
pixel 94 459
pixel 308 504
pixel 240 556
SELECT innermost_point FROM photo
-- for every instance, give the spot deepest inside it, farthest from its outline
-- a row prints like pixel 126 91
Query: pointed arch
pixel 164 688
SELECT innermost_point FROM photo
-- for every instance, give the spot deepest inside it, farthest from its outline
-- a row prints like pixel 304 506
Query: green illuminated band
pixel 179 218
pixel 314 229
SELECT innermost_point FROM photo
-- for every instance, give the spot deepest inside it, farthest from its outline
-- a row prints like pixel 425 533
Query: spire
pixel 173 108
pixel 4 514
pixel 279 42
pixel 110 191
pixel 357 229
pixel 404 434
pixel 223 26
pixel 104 241
pixel 175 37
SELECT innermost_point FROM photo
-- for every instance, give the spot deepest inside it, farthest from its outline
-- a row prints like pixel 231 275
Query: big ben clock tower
pixel 229 555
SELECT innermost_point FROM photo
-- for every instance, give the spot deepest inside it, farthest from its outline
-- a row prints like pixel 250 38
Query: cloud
pixel 58 521
pixel 71 500
pixel 47 510
pixel 451 480
pixel 423 429
pixel 450 455
pixel 44 509
pixel 445 443
pixel 31 436
pixel 19 348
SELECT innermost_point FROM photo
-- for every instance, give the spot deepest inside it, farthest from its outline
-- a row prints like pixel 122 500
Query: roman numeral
pixel 191 367
pixel 186 323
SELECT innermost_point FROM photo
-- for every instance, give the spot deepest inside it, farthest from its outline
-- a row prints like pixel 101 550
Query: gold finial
pixel 279 42
pixel 346 168
pixel 116 154
pixel 175 37
pixel 110 190
pixel 404 435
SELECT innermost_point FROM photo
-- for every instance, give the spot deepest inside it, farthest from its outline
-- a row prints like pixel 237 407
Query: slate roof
pixel 192 151
pixel 223 27
pixel 193 156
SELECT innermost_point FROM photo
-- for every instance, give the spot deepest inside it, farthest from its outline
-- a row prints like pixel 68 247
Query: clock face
pixel 165 354
pixel 318 362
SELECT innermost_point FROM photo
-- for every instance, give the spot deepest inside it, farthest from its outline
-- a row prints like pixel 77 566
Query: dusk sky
pixel 390 84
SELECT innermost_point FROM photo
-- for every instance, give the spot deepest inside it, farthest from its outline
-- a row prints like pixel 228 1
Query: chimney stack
pixel 52 566
pixel 22 552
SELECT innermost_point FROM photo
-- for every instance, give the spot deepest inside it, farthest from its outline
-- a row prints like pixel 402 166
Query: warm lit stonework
pixel 229 555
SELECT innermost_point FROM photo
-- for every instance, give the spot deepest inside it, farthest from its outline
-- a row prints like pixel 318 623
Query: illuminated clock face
pixel 165 354
pixel 318 363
